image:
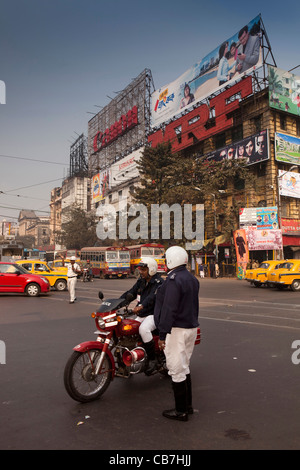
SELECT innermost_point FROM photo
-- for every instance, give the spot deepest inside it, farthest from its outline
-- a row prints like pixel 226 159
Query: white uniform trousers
pixel 71 287
pixel 178 351
pixel 146 327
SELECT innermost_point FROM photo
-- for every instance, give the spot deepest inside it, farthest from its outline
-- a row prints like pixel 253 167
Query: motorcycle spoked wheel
pixel 80 382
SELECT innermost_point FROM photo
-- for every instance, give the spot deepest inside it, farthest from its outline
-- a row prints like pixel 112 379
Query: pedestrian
pixel 144 290
pixel 73 271
pixel 176 317
pixel 201 270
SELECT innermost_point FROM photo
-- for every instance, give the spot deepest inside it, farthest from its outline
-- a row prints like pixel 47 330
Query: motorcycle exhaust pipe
pixel 132 356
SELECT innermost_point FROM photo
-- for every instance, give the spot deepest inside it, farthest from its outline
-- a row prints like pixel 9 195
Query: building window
pixel 220 140
pixel 282 122
pixel 237 133
pixel 257 121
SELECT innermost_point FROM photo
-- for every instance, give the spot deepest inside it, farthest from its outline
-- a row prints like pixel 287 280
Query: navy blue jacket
pixel 177 302
pixel 147 291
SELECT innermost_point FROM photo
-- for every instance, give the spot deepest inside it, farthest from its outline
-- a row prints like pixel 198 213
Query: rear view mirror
pixel 100 295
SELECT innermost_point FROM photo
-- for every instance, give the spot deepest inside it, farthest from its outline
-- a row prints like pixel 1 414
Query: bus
pixel 107 261
pixel 153 250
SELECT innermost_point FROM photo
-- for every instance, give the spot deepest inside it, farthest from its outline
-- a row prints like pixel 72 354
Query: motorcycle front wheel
pixel 81 383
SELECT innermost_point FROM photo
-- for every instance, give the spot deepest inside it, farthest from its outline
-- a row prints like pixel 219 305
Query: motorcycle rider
pixel 88 274
pixel 144 290
pixel 176 317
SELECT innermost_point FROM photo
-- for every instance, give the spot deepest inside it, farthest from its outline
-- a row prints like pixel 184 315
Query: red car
pixel 15 278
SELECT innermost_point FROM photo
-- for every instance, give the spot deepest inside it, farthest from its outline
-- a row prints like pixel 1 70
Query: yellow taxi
pixel 57 265
pixel 259 276
pixel 57 279
pixel 287 276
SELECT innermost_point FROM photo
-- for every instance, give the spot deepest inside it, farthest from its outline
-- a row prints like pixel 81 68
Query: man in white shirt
pixel 73 270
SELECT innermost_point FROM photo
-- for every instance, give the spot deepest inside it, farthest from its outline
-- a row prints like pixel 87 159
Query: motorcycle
pixel 117 352
pixel 86 276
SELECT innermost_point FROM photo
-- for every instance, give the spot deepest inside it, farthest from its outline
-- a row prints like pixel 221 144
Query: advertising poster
pixel 267 218
pixel 284 90
pixel 231 60
pixel 96 188
pixel 254 148
pixel 287 148
pixel 264 239
pixel 242 253
pixel 126 168
pixel 289 183
pixel 105 179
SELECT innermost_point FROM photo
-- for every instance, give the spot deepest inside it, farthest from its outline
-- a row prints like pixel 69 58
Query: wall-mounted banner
pixel 289 183
pixel 267 218
pixel 264 239
pixel 242 253
pixel 234 58
pixel 287 148
pixel 101 183
pixel 126 168
pixel 255 148
pixel 284 90
pixel 259 217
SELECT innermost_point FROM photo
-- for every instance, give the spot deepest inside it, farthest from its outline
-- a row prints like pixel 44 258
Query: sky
pixel 61 59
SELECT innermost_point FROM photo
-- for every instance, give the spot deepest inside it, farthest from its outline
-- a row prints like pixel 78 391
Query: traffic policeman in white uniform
pixel 176 317
pixel 73 271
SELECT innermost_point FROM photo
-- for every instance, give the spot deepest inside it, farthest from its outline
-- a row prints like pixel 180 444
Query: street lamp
pixel 279 202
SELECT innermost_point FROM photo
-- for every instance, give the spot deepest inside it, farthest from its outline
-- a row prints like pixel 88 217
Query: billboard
pixel 254 148
pixel 259 217
pixel 289 183
pixel 242 253
pixel 101 183
pixel 126 168
pixel 264 239
pixel 231 60
pixel 284 90
pixel 287 148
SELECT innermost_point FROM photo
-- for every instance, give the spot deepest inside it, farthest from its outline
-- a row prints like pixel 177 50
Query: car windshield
pixel 20 268
pixel 264 265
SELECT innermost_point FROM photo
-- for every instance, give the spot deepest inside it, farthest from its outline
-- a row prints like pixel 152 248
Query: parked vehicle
pixel 287 276
pixel 259 276
pixel 14 278
pixel 57 279
pixel 117 352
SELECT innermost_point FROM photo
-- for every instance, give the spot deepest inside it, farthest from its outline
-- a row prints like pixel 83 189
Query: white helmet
pixel 149 263
pixel 176 256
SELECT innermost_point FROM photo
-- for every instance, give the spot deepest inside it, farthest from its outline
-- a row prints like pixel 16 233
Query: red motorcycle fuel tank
pixel 128 326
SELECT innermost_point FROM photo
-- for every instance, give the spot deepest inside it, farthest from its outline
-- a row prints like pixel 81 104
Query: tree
pixel 79 230
pixel 174 179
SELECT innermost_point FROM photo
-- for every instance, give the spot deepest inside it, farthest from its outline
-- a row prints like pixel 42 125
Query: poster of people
pixel 267 218
pixel 289 183
pixel 100 185
pixel 284 90
pixel 231 60
pixel 287 148
pixel 254 148
pixel 242 253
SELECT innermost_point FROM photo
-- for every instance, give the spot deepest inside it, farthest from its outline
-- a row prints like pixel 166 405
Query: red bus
pixel 107 261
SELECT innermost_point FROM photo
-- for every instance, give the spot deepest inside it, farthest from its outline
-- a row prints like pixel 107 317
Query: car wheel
pixel 61 284
pixel 33 290
pixel 296 285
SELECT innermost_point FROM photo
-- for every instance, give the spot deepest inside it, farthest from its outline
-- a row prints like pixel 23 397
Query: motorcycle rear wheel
pixel 80 382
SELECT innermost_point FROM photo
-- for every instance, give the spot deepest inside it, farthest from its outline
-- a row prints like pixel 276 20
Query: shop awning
pixel 291 240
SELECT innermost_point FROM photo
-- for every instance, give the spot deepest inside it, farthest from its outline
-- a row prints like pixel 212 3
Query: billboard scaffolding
pixel 122 126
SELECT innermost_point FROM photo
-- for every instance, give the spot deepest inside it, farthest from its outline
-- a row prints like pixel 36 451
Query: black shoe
pixel 71 302
pixel 173 414
pixel 152 367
